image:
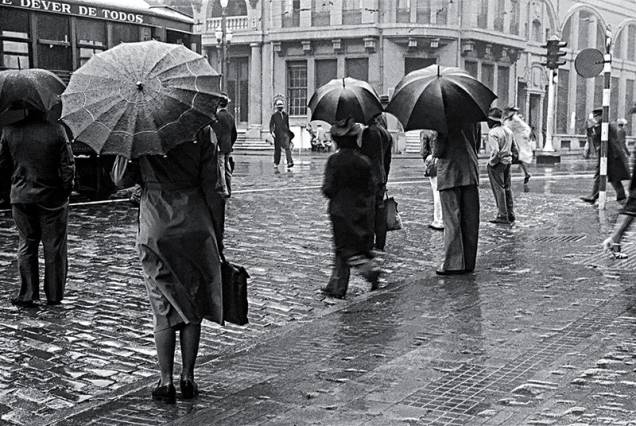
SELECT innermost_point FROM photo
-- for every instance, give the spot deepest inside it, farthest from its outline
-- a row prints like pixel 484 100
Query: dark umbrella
pixel 343 97
pixel 30 88
pixel 140 98
pixel 434 96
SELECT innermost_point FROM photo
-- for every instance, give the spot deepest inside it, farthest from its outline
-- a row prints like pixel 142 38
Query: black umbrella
pixel 31 88
pixel 434 96
pixel 344 97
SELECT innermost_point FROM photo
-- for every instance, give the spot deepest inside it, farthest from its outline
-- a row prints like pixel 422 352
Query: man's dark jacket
pixel 376 146
pixel 225 130
pixel 39 159
pixel 617 156
pixel 279 126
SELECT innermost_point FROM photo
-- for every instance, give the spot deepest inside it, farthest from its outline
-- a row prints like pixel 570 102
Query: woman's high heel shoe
pixel 189 389
pixel 167 393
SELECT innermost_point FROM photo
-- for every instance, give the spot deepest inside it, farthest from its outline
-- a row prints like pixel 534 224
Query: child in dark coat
pixel 350 187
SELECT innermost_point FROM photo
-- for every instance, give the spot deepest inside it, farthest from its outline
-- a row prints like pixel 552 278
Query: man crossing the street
pixel 279 128
pixel 499 143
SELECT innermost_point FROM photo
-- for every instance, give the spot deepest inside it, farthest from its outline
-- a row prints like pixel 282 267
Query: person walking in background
pixel 499 143
pixel 624 220
pixel 38 156
pixel 225 130
pixel 279 128
pixel 351 189
pixel 457 183
pixel 375 140
pixel 179 251
pixel 521 132
pixel 617 168
pixel 429 138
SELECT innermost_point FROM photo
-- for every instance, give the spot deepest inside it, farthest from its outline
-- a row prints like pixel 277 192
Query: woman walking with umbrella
pixel 165 102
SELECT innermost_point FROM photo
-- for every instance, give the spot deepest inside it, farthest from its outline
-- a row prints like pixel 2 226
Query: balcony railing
pixel 403 15
pixel 232 23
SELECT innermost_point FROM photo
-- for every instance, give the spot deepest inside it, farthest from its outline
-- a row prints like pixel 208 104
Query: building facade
pixel 291 47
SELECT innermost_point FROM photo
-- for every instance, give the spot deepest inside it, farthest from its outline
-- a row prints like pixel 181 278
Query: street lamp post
pixel 223 38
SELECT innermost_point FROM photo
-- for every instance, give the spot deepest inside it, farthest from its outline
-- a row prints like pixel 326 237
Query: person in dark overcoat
pixel 179 250
pixel 617 168
pixel 457 183
pixel 375 140
pixel 279 128
pixel 225 130
pixel 38 157
pixel 350 187
pixel 624 220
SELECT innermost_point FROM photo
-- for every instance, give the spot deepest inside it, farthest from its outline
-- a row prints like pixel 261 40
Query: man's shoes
pixel 167 393
pixel 442 271
pixel 275 166
pixel 435 227
pixel 500 220
pixel 511 219
pixel 22 303
pixel 590 200
pixel 526 179
pixel 290 165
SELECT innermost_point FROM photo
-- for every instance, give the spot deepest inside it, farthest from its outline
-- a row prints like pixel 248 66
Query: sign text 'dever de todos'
pixel 77 9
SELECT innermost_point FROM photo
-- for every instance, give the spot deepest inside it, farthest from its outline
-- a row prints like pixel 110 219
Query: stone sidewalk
pixel 93 357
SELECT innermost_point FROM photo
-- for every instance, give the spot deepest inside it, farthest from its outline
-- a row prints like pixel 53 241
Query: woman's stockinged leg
pixel 189 338
pixel 165 342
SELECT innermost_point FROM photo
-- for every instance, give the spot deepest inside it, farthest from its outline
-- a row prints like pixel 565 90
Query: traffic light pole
pixel 549 125
pixel 607 75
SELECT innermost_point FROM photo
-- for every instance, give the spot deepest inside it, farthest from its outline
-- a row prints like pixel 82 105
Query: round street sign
pixel 589 62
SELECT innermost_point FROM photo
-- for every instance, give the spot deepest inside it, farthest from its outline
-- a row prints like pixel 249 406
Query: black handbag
pixel 393 220
pixel 235 306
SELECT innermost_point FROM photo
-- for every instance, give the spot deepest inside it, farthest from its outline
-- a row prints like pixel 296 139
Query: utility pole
pixel 607 75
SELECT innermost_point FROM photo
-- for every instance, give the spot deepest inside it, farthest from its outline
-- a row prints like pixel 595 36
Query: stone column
pixel 255 84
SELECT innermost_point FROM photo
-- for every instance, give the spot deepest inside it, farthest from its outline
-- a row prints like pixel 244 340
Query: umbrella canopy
pixel 432 97
pixel 140 98
pixel 344 97
pixel 30 88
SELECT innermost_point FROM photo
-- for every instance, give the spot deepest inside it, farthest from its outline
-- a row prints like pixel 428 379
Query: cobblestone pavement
pixel 543 333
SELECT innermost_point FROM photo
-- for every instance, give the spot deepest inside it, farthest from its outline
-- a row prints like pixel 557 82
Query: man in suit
pixel 225 130
pixel 279 128
pixel 617 169
pixel 375 140
pixel 457 183
pixel 39 158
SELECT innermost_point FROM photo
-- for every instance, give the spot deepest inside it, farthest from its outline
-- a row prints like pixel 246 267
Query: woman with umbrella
pixel 166 102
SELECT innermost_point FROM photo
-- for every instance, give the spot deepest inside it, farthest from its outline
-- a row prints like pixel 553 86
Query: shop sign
pixel 77 10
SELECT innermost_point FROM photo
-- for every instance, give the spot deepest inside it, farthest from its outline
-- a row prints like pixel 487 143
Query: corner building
pixel 291 47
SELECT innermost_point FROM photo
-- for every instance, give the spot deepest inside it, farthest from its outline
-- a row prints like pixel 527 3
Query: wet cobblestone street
pixel 542 333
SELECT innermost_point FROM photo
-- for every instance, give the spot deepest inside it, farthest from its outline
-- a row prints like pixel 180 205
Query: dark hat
pixel 597 111
pixel 495 114
pixel 346 127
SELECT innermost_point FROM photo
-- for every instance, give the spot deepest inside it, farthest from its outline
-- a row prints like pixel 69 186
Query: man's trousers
pixel 35 224
pixel 499 176
pixel 460 212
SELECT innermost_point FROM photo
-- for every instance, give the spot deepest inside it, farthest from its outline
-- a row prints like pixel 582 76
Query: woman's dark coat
pixel 350 187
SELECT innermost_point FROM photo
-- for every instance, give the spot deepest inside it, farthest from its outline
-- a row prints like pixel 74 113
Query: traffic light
pixel 554 54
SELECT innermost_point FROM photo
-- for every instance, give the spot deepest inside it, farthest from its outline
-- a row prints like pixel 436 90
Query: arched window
pixel 234 8
pixel 537 31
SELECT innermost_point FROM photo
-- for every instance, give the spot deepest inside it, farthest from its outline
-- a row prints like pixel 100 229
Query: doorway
pixel 238 88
